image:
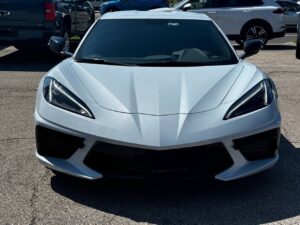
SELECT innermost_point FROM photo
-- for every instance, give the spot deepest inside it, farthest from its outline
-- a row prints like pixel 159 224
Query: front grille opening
pixel 259 146
pixel 52 143
pixel 117 160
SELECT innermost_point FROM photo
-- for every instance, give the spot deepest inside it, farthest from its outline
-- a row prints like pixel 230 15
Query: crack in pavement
pixel 13 139
pixel 278 71
pixel 33 198
pixel 32 205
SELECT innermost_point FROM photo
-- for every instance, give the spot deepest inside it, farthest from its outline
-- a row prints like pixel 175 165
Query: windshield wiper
pixel 101 61
pixel 171 63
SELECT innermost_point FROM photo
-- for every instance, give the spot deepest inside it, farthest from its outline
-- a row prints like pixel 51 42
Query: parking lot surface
pixel 31 194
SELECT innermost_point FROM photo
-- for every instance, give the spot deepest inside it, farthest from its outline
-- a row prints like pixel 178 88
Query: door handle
pixel 246 11
pixel 4 13
pixel 212 12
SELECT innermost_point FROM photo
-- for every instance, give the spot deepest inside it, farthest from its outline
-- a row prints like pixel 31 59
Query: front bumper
pixel 230 164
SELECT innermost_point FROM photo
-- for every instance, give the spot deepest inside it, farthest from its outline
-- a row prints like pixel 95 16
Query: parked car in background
pixel 298 39
pixel 292 10
pixel 241 19
pixel 96 3
pixel 24 24
pixel 119 5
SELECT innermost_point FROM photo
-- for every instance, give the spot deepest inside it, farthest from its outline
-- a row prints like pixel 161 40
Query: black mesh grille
pixel 116 160
pixel 259 146
pixel 56 144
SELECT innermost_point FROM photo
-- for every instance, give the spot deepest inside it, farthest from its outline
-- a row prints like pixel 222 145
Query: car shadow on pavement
pixel 267 197
pixel 26 60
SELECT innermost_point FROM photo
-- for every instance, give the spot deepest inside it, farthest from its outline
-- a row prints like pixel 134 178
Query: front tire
pixel 65 33
pixel 298 48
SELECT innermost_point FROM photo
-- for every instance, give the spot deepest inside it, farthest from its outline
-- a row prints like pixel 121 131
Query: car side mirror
pixel 187 7
pixel 252 47
pixel 58 45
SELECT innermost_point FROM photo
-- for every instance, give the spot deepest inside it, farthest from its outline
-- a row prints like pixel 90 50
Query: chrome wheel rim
pixel 257 32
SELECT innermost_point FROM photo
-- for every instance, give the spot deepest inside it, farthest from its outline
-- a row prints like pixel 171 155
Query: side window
pixel 237 3
pixel 251 2
pixel 200 4
pixel 227 3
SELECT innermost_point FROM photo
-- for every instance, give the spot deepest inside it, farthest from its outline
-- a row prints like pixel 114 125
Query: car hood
pixel 157 90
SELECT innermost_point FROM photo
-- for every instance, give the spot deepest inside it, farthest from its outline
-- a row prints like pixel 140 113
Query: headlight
pixel 56 94
pixel 260 96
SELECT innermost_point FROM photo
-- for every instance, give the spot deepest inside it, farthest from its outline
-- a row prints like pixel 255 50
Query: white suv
pixel 241 19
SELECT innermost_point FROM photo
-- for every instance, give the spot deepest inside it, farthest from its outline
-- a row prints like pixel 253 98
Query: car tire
pixel 298 48
pixel 256 31
pixel 65 33
pixel 92 20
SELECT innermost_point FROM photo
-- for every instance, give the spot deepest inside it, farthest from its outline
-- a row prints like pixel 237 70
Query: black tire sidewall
pixel 298 48
pixel 65 29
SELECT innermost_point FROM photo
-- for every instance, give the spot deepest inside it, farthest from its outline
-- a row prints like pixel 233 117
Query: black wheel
pixel 92 19
pixel 298 48
pixel 65 33
pixel 256 31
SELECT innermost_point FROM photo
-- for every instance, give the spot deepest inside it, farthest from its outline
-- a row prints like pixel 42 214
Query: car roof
pixel 155 15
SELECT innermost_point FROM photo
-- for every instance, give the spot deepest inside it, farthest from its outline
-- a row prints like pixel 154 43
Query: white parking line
pixel 291 35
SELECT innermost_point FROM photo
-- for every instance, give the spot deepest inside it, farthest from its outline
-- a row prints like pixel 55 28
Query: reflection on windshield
pixel 156 42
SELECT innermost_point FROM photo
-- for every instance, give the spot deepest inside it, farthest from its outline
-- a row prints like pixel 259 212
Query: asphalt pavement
pixel 31 194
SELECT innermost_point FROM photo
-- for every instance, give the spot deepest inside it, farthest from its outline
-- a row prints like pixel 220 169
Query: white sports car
pixel 157 95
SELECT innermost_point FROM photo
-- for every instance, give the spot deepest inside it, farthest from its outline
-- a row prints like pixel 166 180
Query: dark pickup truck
pixel 27 23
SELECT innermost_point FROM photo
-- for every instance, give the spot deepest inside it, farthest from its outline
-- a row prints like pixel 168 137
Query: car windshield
pixel 156 42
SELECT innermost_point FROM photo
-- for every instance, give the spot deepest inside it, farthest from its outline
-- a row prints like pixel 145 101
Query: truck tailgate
pixel 21 13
